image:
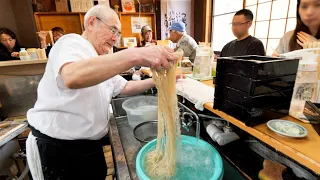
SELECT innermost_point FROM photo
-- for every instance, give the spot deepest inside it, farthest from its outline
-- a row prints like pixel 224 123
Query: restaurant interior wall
pixel 17 15
pixel 7 18
pixel 272 18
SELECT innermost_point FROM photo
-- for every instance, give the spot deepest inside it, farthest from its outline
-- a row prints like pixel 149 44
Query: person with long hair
pixel 307 28
pixel 9 45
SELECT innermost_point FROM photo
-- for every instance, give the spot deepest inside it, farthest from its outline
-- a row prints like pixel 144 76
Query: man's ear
pixel 250 23
pixel 91 22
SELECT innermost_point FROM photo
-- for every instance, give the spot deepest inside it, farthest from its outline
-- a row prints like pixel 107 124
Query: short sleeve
pixel 69 49
pixel 118 83
pixel 256 48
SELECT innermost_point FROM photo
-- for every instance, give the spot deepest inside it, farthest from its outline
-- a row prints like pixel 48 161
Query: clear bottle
pixel 202 63
pixel 305 88
pixel 24 54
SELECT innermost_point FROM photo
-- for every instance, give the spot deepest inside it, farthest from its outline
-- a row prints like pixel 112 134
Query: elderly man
pixel 185 42
pixel 71 113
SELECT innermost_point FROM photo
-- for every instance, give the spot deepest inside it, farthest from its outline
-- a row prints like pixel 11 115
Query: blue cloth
pixel 178 26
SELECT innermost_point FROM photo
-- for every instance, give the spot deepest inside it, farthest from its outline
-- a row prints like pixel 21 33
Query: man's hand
pixel 42 35
pixel 304 38
pixel 157 57
pixel 180 76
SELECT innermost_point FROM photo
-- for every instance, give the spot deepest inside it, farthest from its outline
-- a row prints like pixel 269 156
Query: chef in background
pixel 245 44
pixel 71 113
pixel 184 42
pixel 307 28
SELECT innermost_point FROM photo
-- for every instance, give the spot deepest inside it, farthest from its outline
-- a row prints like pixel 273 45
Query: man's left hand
pixel 180 76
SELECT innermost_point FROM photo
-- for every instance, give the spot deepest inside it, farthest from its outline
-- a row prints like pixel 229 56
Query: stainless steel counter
pixel 125 148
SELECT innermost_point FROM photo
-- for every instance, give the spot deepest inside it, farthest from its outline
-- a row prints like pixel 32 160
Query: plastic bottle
pixel 202 63
pixel 24 54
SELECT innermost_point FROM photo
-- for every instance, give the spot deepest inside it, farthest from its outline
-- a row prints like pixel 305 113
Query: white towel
pixel 195 91
pixel 33 158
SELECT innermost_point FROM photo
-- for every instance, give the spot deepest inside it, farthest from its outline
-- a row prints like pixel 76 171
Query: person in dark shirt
pixel 9 45
pixel 244 44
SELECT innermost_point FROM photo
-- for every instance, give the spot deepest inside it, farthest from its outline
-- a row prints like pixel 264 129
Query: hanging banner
pixel 175 11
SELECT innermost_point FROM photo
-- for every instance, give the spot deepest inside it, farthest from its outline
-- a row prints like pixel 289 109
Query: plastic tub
pixel 186 140
pixel 140 109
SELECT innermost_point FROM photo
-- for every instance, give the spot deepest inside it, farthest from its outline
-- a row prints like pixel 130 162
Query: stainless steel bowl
pixel 146 132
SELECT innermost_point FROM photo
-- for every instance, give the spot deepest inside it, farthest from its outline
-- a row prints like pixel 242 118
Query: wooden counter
pixel 303 150
pixel 22 68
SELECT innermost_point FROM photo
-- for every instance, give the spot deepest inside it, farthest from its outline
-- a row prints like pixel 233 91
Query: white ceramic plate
pixel 287 128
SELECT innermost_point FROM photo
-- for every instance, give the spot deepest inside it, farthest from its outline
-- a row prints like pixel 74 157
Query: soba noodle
pixel 161 162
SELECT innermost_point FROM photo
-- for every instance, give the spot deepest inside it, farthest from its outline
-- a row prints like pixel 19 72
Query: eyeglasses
pixel 7 40
pixel 238 23
pixel 114 31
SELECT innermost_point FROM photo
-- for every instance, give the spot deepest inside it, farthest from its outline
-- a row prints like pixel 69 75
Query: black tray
pixel 258 87
pixel 260 101
pixel 257 67
pixel 252 116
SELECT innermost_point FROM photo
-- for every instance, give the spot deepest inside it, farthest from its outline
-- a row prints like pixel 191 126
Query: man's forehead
pixel 239 18
pixel 115 22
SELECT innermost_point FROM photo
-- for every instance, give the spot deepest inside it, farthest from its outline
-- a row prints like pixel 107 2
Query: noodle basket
pixel 146 132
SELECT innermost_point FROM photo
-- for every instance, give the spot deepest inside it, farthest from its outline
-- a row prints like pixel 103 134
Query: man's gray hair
pixel 180 33
pixel 102 12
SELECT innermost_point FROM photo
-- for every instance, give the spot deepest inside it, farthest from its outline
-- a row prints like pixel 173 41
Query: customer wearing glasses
pixel 9 45
pixel 245 44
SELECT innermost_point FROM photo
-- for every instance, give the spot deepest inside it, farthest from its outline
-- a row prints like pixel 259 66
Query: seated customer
pixel 57 33
pixel 307 28
pixel 185 42
pixel 146 33
pixel 9 46
pixel 244 44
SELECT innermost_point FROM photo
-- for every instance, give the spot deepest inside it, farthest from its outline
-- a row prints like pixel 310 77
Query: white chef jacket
pixel 70 114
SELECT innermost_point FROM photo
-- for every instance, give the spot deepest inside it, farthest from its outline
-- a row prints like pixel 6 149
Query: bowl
pixel 211 155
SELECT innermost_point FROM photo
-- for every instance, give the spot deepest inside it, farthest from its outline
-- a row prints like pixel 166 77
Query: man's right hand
pixel 157 57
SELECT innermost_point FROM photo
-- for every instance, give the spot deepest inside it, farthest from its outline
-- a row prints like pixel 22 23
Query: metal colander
pixel 146 132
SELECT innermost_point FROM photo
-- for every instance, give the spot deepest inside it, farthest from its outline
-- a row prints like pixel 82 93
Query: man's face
pixel 240 25
pixel 104 34
pixel 147 36
pixel 174 37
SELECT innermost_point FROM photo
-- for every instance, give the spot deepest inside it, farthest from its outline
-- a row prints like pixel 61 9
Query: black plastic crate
pixel 252 116
pixel 260 101
pixel 258 87
pixel 257 67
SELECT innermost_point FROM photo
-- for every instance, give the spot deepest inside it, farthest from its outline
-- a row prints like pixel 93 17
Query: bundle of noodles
pixel 161 162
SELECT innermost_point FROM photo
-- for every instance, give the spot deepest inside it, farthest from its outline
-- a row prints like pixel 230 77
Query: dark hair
pixel 293 45
pixel 247 14
pixel 12 35
pixel 59 30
